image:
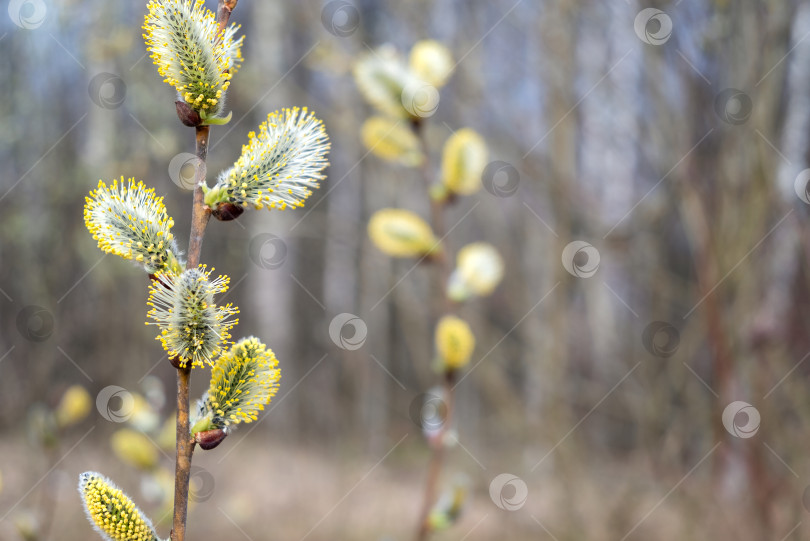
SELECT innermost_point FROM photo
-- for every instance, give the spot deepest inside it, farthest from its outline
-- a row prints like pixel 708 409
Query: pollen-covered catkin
pixel 127 219
pixel 111 512
pixel 182 37
pixel 243 381
pixel 193 329
pixel 279 167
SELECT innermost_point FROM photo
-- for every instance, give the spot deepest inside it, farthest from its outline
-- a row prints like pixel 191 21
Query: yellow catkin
pixel 280 166
pixel 112 513
pixel 182 37
pixel 127 219
pixel 382 77
pixel 431 62
pixel 464 158
pixel 135 448
pixel 74 406
pixel 401 233
pixel 391 140
pixel 243 381
pixel 193 329
pixel 455 342
pixel 479 270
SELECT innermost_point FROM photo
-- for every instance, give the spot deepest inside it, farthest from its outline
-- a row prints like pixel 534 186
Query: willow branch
pixel 436 461
pixel 224 9
pixel 185 448
pixel 444 306
pixel 200 215
pixel 443 257
pixel 47 505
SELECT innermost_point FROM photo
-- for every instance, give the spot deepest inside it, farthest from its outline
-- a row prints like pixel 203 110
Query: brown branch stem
pixel 444 305
pixel 224 9
pixel 436 461
pixel 200 215
pixel 185 447
pixel 47 504
pixel 443 257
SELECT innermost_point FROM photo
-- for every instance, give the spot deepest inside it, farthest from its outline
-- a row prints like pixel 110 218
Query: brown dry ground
pixel 278 491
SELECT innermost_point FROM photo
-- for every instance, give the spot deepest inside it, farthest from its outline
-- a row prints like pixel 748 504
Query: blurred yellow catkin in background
pixel 392 140
pixel 74 406
pixel 134 448
pixel 431 62
pixel 464 158
pixel 479 270
pixel 455 343
pixel 401 233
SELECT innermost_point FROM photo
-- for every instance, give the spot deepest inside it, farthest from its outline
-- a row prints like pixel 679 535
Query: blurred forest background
pixel 677 153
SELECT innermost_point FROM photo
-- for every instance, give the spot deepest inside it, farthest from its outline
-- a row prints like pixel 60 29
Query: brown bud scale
pixel 208 439
pixel 225 212
pixel 188 116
